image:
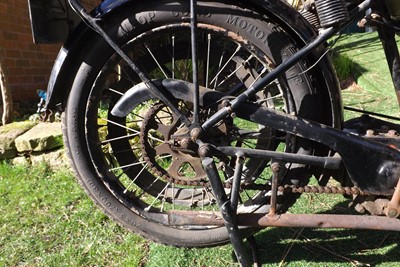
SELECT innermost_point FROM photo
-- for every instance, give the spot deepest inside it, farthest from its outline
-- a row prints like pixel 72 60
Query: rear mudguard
pixel 66 66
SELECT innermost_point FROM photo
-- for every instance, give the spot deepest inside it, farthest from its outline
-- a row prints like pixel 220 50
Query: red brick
pixel 27 66
pixel 3 8
pixel 9 53
pixel 12 36
pixel 19 62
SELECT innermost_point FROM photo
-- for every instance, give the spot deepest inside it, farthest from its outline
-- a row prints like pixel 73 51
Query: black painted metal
pixel 373 167
pixel 194 44
pixel 331 12
pixel 226 210
pixel 237 176
pixel 387 36
pixel 51 23
pixel 332 163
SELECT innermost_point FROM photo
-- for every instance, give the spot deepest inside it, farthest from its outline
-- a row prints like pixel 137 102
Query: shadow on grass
pixel 360 42
pixel 322 247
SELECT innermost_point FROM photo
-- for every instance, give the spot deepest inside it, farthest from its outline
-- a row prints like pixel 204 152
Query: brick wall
pixel 27 66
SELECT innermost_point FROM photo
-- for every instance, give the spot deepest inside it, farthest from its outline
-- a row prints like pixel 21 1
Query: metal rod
pixel 372 113
pixel 275 167
pixel 367 222
pixel 87 18
pixel 326 162
pixel 194 45
pixel 290 62
pixel 279 70
pixel 387 37
pixel 320 221
pixel 226 211
pixel 393 208
pixel 237 177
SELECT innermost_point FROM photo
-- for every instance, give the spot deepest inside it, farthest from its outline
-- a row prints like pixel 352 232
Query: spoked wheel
pixel 140 169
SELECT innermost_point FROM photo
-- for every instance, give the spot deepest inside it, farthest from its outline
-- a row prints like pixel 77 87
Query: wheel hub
pixel 168 150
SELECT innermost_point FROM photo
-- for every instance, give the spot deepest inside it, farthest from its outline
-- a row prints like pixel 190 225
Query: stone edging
pixel 29 143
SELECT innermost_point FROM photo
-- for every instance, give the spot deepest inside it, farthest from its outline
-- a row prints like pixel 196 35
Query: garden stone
pixel 8 134
pixel 21 161
pixel 42 137
pixel 54 159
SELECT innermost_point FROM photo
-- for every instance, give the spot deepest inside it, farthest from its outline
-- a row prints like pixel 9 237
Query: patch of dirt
pixel 350 84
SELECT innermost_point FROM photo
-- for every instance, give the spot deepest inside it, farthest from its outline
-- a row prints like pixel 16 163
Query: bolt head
pixel 195 133
pixel 204 151
pixel 392 213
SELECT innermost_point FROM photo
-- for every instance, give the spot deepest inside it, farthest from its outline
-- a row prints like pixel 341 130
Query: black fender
pixel 65 66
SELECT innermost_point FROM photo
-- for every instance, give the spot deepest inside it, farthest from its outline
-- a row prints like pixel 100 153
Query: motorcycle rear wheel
pixel 125 164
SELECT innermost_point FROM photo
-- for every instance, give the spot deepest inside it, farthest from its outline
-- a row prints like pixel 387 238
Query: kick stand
pixel 228 207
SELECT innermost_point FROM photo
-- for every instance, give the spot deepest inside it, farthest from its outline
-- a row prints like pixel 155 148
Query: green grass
pixel 47 220
pixel 362 56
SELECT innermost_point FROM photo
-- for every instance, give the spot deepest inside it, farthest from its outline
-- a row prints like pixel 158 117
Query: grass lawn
pixel 47 220
pixel 365 60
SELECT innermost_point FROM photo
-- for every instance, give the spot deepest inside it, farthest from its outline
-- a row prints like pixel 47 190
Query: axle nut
pixel 392 213
pixel 185 143
pixel 204 151
pixel 195 133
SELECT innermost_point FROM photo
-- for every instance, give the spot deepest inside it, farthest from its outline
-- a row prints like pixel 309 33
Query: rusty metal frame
pixel 320 221
pixel 366 222
pixel 392 210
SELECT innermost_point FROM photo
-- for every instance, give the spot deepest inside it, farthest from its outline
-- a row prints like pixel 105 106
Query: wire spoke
pixel 117 138
pixel 116 91
pixel 226 63
pixel 208 58
pixel 242 65
pixel 155 60
pixel 173 56
pixel 134 179
pixel 157 198
pixel 127 166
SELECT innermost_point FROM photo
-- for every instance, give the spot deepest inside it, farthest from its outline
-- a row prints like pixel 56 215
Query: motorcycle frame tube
pixel 367 222
pixel 64 69
pixel 320 221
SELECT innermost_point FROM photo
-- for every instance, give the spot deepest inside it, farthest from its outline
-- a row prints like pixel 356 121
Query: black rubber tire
pixel 124 26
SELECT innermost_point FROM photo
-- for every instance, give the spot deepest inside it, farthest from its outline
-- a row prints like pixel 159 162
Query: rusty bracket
pixel 275 167
pixel 392 209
